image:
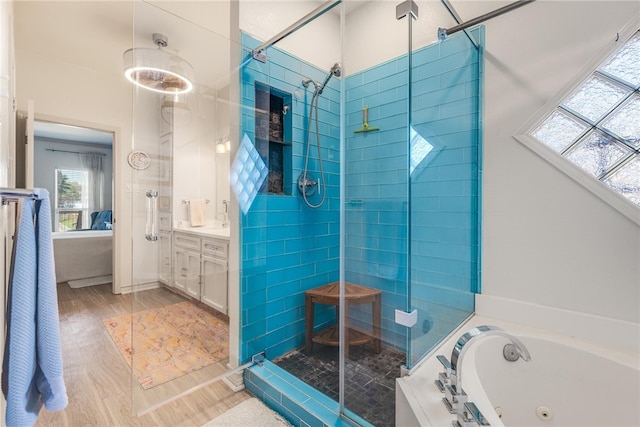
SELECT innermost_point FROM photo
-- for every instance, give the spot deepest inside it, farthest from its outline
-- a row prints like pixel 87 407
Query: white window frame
pixel 591 183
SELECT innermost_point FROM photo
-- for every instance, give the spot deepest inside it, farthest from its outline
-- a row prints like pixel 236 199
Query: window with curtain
pixel 91 164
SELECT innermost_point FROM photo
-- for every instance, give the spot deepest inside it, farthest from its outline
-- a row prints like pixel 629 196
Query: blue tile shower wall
pixel 287 247
pixel 443 189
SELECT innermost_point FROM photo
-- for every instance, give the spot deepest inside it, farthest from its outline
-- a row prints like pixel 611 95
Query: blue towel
pixel 32 368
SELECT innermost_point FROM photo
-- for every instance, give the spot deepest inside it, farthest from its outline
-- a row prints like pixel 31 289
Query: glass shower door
pixel 444 184
pixel 375 210
pixel 181 334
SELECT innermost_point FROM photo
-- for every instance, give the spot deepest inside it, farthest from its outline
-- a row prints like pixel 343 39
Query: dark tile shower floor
pixel 369 378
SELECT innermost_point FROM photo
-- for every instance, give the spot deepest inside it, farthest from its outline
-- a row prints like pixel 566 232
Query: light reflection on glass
pixel 419 148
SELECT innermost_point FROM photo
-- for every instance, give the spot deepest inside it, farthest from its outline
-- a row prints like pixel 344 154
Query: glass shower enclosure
pixel 359 239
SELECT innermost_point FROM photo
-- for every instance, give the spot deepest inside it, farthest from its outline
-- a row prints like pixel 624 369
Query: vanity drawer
pixel 215 247
pixel 187 242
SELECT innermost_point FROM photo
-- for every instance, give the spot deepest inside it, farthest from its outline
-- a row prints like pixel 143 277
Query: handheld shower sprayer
pixel 306 183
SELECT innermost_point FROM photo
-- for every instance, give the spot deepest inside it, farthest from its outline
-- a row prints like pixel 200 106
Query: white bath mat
pixel 249 413
pixel 91 281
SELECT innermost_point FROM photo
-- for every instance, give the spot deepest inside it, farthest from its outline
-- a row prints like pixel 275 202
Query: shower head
pixel 336 70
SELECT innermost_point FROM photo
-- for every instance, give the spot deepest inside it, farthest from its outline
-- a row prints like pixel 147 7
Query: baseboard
pixel 602 330
pixel 127 289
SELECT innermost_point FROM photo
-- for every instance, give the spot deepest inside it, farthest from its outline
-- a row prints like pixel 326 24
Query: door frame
pixel 117 177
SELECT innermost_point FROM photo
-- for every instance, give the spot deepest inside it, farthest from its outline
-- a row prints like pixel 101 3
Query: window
pixel 597 126
pixel 71 200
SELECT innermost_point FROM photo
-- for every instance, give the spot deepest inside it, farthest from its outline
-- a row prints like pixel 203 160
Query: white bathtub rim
pixel 428 408
pixel 81 234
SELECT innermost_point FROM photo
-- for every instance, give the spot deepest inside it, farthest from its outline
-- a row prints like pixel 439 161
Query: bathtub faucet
pixel 454 393
pixel 476 334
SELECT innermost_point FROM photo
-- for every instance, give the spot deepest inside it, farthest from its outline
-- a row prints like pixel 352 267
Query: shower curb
pixel 295 400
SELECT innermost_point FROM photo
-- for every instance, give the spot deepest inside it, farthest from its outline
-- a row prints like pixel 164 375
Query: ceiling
pixel 95 34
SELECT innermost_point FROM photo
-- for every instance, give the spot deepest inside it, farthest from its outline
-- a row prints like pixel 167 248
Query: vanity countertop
pixel 217 232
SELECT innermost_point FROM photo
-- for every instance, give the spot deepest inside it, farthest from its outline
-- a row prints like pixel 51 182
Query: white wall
pixel 547 240
pixel 194 161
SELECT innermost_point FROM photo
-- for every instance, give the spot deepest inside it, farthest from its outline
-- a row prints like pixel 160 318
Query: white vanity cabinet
pixel 214 269
pixel 200 268
pixel 186 262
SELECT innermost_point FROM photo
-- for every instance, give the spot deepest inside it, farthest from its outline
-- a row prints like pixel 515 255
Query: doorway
pixel 74 162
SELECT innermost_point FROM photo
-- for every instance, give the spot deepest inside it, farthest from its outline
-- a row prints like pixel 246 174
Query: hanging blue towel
pixel 32 367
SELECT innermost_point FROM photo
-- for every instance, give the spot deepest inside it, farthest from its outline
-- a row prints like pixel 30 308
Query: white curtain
pixel 91 163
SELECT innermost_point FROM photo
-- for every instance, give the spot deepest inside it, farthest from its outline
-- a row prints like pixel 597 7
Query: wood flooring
pixel 98 379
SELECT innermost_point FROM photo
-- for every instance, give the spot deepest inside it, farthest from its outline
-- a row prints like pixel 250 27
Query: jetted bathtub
pixel 568 382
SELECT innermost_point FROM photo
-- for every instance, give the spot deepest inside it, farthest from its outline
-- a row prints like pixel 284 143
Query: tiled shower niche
pixel 273 137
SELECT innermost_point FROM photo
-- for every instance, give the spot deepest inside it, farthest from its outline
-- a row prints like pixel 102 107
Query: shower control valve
pixel 307 184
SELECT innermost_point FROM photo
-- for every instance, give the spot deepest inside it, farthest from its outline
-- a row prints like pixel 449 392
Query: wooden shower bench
pixel 353 295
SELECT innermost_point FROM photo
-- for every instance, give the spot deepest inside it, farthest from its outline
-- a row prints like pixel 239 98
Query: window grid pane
pixel 595 97
pixel 626 180
pixel 558 131
pixel 597 154
pixel 625 121
pixel 624 64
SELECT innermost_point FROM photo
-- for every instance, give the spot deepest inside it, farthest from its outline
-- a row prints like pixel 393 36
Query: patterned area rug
pixel 169 341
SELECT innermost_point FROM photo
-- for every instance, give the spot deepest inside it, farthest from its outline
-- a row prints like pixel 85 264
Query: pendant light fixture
pixel 158 70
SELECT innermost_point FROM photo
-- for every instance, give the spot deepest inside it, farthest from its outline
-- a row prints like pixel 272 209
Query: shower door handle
pixel 151 227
